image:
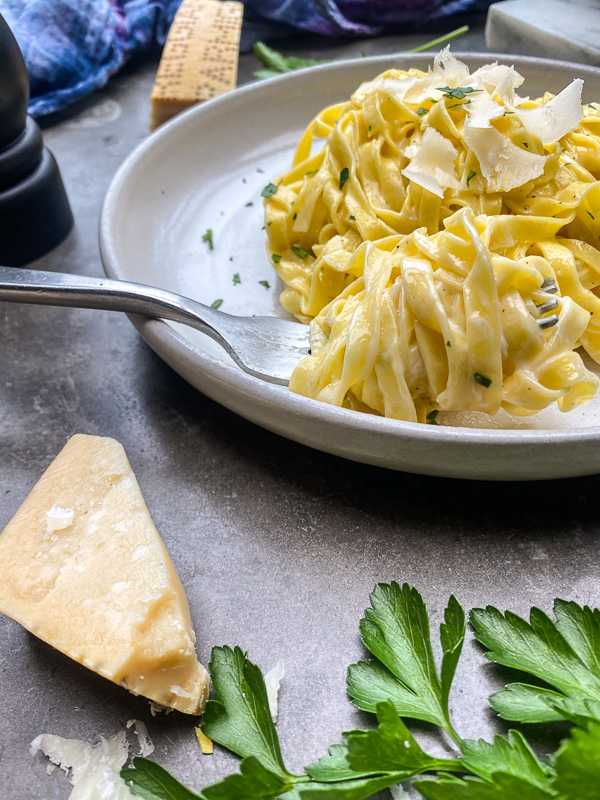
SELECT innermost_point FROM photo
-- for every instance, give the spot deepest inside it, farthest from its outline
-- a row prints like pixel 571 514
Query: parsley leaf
pixel 344 174
pixel 269 190
pixel 577 764
pixel 470 175
pixel 504 787
pixel 208 238
pixel 239 717
pixel 421 111
pixel 236 278
pixel 253 782
pixel 299 251
pixel 276 258
pixel 217 303
pixel 266 284
pixel 524 703
pixel 512 756
pixel 565 654
pixel 152 782
pixel 396 631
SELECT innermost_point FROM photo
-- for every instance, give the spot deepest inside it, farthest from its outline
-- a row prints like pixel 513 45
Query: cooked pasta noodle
pixel 417 239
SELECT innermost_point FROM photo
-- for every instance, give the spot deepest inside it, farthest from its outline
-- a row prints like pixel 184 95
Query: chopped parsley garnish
pixel 525 144
pixel 590 214
pixel 508 112
pixel 344 174
pixel 458 105
pixel 208 238
pixel 276 258
pixel 269 190
pixel 269 224
pixel 421 111
pixel 352 217
pixel 431 417
pixel 299 251
pixel 295 215
pixel 434 101
pixel 236 279
pixel 471 174
pixel 482 380
pixel 311 172
pixel 448 344
pixel 249 204
pixel 258 169
pixel 265 284
pixel 217 303
pixel 459 93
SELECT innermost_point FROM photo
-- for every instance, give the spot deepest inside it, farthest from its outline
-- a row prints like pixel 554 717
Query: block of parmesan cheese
pixel 200 57
pixel 83 568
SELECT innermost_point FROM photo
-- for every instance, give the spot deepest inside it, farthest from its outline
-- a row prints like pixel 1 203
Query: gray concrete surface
pixel 277 546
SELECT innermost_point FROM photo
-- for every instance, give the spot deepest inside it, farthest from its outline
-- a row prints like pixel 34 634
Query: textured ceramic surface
pixel 205 170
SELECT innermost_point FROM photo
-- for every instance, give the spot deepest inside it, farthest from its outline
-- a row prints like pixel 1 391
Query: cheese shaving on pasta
pixel 418 240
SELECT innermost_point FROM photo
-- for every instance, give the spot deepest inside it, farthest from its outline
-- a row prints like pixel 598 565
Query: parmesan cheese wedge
pixel 103 589
pixel 200 57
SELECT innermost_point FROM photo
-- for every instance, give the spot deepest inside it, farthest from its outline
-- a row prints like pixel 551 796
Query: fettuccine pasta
pixel 421 240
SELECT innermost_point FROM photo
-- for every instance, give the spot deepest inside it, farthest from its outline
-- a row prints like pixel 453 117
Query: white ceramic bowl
pixel 205 169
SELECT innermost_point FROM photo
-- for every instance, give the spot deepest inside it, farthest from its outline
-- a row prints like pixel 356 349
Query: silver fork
pixel 266 347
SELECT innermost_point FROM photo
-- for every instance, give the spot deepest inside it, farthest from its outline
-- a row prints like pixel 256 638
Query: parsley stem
pixel 450 730
pixel 442 40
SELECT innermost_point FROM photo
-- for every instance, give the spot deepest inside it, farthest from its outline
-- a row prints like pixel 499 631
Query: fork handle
pixel 81 291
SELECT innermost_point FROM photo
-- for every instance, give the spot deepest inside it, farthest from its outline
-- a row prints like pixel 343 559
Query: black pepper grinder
pixel 34 209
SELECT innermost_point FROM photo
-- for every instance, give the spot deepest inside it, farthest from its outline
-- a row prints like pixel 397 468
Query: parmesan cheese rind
pixel 102 590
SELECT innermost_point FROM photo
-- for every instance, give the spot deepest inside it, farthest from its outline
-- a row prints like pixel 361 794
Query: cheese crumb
pixel 141 731
pixel 58 518
pixel 272 680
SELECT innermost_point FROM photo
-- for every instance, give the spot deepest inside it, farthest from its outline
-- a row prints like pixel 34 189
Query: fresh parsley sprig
pixel 403 680
pixel 278 64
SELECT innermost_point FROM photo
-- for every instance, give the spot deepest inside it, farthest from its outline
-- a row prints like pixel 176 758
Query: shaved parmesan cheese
pixel 482 109
pixel 433 165
pixel 57 519
pixel 94 771
pixel 272 680
pixel 504 165
pixel 452 71
pixel 497 79
pixel 411 89
pixel 552 120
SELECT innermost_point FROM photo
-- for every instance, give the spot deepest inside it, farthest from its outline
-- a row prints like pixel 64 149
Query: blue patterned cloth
pixel 72 47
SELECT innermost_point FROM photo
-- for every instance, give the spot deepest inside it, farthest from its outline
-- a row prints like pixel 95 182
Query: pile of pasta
pixel 421 240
